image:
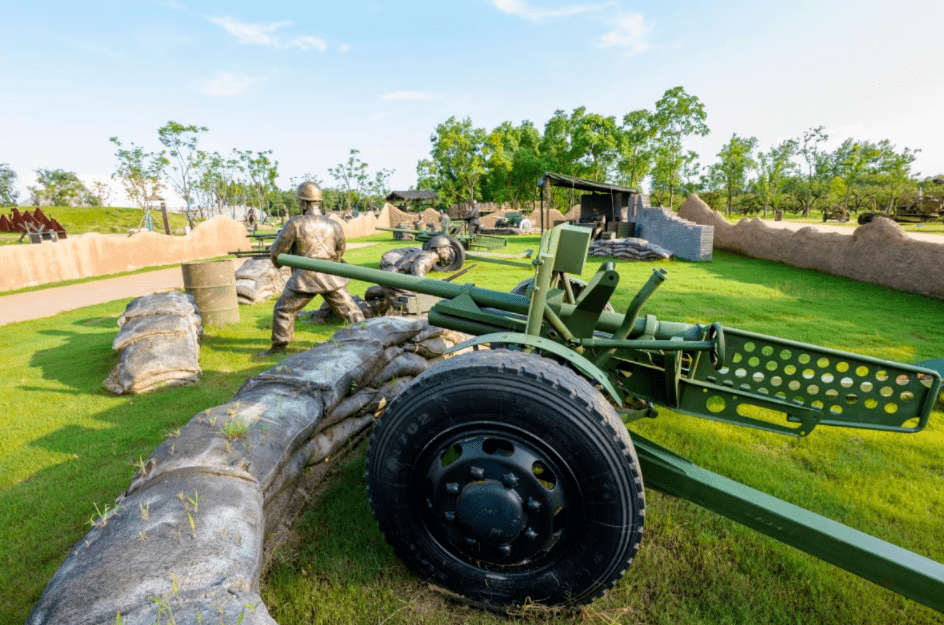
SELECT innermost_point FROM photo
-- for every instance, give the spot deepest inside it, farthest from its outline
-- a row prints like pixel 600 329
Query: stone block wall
pixel 685 239
pixel 187 536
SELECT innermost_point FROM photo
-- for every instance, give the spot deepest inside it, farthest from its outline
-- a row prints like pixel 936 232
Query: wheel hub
pixel 495 498
pixel 491 513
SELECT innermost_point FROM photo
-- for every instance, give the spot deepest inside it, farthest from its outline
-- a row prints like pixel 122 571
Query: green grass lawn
pixel 66 446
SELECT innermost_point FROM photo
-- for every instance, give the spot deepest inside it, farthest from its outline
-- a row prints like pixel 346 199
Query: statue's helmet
pixel 437 242
pixel 308 191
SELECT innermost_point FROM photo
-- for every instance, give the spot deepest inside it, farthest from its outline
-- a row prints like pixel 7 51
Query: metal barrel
pixel 213 285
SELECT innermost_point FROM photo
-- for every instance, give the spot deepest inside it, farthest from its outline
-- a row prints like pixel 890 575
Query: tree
pixel 215 182
pixel 140 172
pixel 896 169
pixel 261 172
pixel 181 143
pixel 678 116
pixel 737 159
pixel 58 187
pixel 100 192
pixel 8 190
pixel 773 168
pixel 359 187
pixel 813 185
pixel 457 161
pixel 675 174
pixel 636 147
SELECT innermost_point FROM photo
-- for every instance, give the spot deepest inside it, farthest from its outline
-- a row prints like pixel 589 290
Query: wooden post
pixel 164 215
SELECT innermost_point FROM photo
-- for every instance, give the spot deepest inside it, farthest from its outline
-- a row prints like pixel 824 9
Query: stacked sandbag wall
pixel 630 248
pixel 878 252
pixel 187 537
pixel 159 341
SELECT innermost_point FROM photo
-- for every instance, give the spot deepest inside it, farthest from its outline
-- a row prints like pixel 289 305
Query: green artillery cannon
pixel 457 231
pixel 507 475
pixel 514 220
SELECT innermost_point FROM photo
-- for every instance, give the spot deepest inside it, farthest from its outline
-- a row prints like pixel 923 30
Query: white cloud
pixel 629 32
pixel 404 95
pixel 227 85
pixel 263 34
pixel 523 9
pixel 344 48
pixel 307 43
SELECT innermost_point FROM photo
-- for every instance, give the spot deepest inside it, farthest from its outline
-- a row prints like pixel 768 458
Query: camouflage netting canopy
pixel 258 279
pixel 159 341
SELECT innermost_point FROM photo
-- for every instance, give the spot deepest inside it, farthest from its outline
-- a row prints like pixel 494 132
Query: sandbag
pixel 173 303
pixel 142 327
pixel 155 361
pixel 159 339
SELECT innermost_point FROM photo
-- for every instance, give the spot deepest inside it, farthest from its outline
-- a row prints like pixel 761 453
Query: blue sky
pixel 312 80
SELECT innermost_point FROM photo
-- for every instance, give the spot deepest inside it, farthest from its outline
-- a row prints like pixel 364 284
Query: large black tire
pixel 576 284
pixel 507 478
pixel 456 255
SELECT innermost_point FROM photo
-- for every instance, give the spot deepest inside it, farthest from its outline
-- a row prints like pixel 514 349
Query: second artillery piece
pixel 506 476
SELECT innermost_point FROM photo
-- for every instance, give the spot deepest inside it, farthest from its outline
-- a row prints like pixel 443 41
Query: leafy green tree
pixel 457 161
pixel 637 135
pixel 737 160
pixel 895 168
pixel 773 169
pixel 595 142
pixel 215 182
pixel 58 187
pixel 8 190
pixel 674 174
pixel 181 143
pixel 261 172
pixel 813 185
pixel 139 171
pixel 359 188
pixel 677 116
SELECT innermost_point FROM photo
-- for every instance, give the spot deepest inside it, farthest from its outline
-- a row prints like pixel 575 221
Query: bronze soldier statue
pixel 313 235
pixel 410 260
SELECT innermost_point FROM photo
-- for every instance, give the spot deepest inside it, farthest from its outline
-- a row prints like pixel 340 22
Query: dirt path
pixel 52 301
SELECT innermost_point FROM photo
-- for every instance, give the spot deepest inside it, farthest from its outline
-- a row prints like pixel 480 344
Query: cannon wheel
pixel 576 284
pixel 507 478
pixel 456 256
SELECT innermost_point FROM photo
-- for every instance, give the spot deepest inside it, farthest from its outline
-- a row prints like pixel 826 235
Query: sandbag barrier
pixel 184 542
pixel 159 341
pixel 630 248
pixel 258 279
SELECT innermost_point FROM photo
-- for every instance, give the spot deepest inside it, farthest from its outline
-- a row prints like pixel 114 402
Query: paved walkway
pixel 49 302
pixel 52 301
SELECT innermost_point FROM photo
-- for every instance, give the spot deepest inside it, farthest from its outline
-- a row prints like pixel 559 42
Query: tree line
pixel 469 164
pixel 209 183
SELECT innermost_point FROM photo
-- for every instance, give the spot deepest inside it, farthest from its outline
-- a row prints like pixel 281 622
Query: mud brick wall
pixel 879 252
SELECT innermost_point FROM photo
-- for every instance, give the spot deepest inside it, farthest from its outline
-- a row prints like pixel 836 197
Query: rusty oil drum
pixel 213 285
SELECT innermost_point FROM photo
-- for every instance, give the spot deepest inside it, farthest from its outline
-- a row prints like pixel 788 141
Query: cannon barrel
pixel 438 288
pixel 609 322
